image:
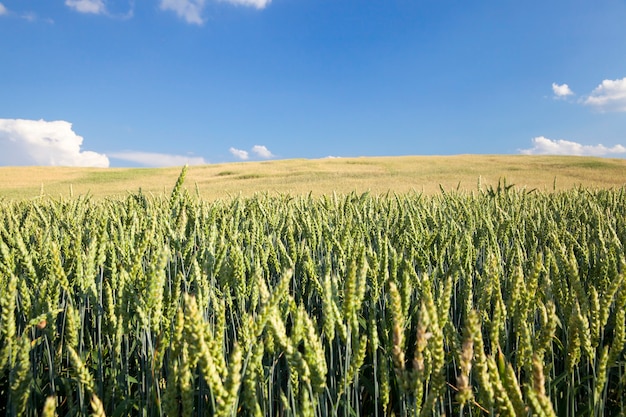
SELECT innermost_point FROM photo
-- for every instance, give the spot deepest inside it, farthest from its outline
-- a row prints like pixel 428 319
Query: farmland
pixel 500 300
pixel 422 174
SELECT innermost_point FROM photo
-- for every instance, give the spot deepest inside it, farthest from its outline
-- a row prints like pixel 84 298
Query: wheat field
pixel 424 174
pixel 500 301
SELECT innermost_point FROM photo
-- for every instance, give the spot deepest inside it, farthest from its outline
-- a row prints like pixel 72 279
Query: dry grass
pixel 377 175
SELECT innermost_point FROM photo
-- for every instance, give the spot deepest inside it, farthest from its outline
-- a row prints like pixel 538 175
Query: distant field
pixel 379 175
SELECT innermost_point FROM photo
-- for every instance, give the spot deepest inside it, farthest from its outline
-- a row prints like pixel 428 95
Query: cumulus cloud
pixel 608 96
pixel 189 10
pixel 545 146
pixel 259 4
pixel 3 10
pixel 239 153
pixel 87 6
pixel 259 150
pixel 262 151
pixel 38 142
pixel 561 91
pixel 157 159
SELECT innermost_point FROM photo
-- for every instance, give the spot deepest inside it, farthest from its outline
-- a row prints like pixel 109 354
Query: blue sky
pixel 168 82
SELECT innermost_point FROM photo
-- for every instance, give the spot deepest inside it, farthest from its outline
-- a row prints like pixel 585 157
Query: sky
pixel 115 83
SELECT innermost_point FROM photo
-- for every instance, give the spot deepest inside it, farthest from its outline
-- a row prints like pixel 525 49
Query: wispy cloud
pixel 28 16
pixel 87 6
pixel 152 159
pixel 99 7
pixel 259 4
pixel 262 152
pixel 188 10
pixel 561 91
pixel 38 142
pixel 191 10
pixel 32 18
pixel 239 153
pixel 610 95
pixel 545 146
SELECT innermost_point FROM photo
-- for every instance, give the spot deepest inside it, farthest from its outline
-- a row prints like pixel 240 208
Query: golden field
pixel 378 175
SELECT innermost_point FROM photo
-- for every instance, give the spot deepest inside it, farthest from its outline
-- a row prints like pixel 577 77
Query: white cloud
pixel 545 146
pixel 259 4
pixel 259 150
pixel 28 16
pixel 157 159
pixel 239 153
pixel 87 6
pixel 562 90
pixel 262 151
pixel 37 142
pixel 189 10
pixel 609 96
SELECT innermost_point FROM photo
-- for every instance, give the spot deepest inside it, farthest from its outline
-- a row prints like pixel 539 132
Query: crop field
pixel 378 176
pixel 501 300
